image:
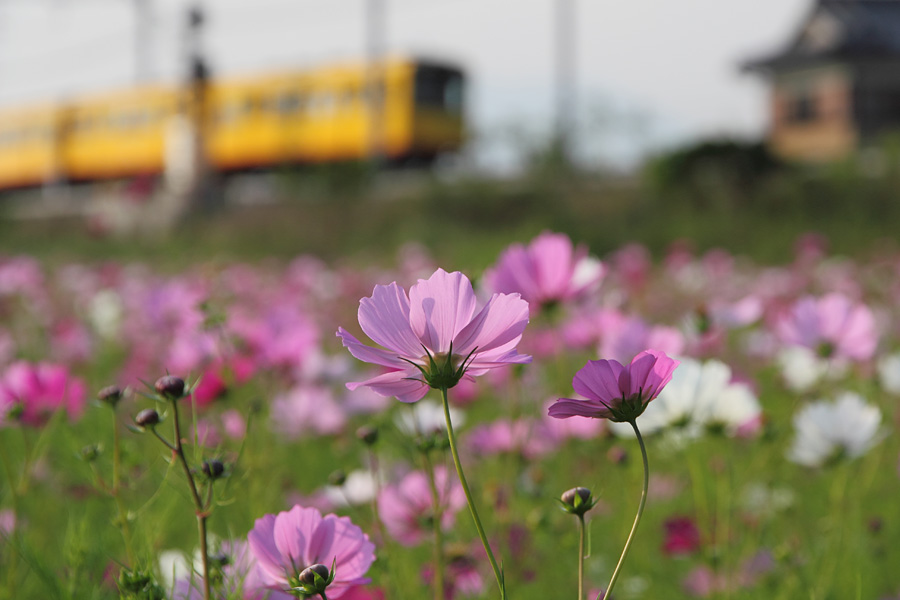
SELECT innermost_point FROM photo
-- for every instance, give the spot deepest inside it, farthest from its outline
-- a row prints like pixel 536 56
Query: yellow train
pixel 312 116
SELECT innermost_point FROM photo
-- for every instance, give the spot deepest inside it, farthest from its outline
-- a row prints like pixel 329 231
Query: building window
pixel 802 108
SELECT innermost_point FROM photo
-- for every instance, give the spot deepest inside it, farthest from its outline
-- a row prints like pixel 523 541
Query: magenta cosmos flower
pixel 286 544
pixel 549 270
pixel 434 336
pixel 32 392
pixel 833 326
pixel 614 391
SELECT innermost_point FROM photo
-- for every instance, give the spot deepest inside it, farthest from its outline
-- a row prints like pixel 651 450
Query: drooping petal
pixel 375 356
pixel 404 385
pixel 385 318
pixel 500 322
pixel 570 407
pixel 440 307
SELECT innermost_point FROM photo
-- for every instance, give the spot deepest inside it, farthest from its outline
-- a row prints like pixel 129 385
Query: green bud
pixel 577 501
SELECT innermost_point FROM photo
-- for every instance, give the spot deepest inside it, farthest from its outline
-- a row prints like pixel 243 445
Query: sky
pixel 649 74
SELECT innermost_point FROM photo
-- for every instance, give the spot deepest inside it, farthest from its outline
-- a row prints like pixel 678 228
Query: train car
pixel 326 115
pixel 259 121
pixel 118 134
pixel 29 146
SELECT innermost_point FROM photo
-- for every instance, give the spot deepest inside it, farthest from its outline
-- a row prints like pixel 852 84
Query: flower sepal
pixel 444 369
pixel 629 409
pixel 313 580
pixel 577 501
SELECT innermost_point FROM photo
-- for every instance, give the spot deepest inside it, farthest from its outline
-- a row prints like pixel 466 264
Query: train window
pixel 228 112
pixel 8 137
pixel 289 103
pixel 81 124
pixel 129 119
pixel 268 104
pixel 374 91
pixel 453 93
pixel 348 96
pixel 321 102
pixel 439 87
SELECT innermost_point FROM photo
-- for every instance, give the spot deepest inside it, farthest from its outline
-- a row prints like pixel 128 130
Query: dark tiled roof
pixel 840 29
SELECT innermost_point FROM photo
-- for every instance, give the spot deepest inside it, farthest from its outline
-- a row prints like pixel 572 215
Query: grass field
pixel 248 300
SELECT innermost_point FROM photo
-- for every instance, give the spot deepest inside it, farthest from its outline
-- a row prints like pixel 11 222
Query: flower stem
pixel 202 514
pixel 637 518
pixel 436 514
pixel 498 572
pixel 121 513
pixel 580 557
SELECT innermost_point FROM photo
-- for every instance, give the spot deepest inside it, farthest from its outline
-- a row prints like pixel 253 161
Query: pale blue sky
pixel 649 72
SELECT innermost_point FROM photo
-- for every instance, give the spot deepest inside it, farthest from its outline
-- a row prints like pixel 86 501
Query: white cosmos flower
pixel 426 417
pixel 105 312
pixel 802 368
pixel 847 427
pixel 358 488
pixel 700 397
pixel 889 373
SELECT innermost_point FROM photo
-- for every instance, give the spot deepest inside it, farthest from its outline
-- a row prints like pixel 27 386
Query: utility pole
pixel 143 23
pixel 375 77
pixel 188 174
pixel 565 76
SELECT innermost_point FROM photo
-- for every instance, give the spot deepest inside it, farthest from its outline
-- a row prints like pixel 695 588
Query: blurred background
pixel 113 110
pixel 641 75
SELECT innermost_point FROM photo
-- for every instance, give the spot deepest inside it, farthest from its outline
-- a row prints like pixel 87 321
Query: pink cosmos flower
pixel 406 508
pixel 307 408
pixel 833 326
pixel 434 336
pixel 36 391
pixel 287 543
pixel 614 391
pixel 523 436
pixel 549 270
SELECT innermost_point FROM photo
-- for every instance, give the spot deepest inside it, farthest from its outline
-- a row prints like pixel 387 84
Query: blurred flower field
pixel 773 450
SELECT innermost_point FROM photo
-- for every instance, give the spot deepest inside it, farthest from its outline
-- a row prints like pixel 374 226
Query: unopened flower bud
pixel 90 452
pixel 213 469
pixel 110 395
pixel 577 500
pixel 337 478
pixel 309 574
pixel 314 579
pixel 147 418
pixel 170 387
pixel 367 434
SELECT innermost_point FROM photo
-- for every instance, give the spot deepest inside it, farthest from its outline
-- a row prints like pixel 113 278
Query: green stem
pixel 14 500
pixel 498 572
pixel 836 544
pixel 202 516
pixel 637 518
pixel 122 515
pixel 436 513
pixel 580 557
